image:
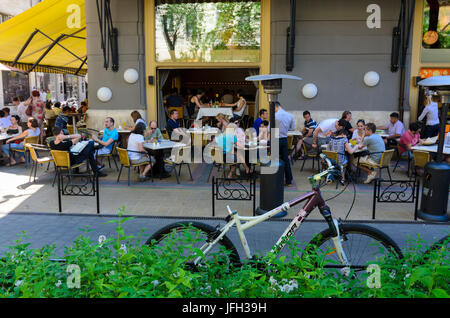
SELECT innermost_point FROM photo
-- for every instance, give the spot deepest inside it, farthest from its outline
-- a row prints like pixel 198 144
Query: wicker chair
pixel 421 158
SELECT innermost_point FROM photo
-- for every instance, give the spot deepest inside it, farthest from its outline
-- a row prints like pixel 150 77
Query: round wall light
pixel 131 76
pixel 309 90
pixel 104 94
pixel 371 78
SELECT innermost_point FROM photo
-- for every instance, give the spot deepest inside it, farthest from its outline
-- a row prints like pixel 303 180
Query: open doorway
pixel 226 81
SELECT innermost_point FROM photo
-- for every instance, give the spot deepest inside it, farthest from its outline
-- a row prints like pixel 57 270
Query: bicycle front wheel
pixel 187 238
pixel 362 245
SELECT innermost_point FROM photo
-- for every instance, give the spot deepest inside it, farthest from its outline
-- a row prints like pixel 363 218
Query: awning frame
pixel 50 47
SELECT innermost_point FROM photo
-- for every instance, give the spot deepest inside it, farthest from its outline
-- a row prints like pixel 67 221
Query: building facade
pixel 12 84
pixel 337 42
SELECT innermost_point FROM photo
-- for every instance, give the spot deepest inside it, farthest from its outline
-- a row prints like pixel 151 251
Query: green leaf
pixel 440 293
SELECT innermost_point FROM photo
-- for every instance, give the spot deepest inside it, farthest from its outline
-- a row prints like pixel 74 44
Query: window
pixel 15 84
pixel 208 32
pixel 436 24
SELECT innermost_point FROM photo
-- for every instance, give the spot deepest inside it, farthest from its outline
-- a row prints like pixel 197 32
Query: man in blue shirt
pixel 263 115
pixel 110 135
pixel 284 122
pixel 172 124
pixel 62 120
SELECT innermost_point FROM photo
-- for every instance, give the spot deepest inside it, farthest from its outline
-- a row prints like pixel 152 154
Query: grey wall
pixel 334 49
pixel 128 18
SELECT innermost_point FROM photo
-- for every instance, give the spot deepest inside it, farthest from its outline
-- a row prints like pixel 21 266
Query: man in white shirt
pixel 431 111
pixel 21 109
pixel 395 128
pixel 325 129
pixel 285 122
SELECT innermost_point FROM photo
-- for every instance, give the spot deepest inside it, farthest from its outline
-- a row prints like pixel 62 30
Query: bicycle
pixel 351 246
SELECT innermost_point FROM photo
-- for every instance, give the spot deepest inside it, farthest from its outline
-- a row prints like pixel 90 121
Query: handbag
pixel 29 110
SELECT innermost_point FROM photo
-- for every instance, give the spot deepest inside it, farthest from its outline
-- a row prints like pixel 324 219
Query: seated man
pixel 65 142
pixel 62 120
pixel 172 125
pixel 263 115
pixel 307 136
pixel 110 135
pixel 325 129
pixel 375 146
pixel 153 132
pixel 395 129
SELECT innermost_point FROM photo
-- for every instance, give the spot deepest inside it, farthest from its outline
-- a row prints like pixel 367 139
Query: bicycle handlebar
pixel 329 172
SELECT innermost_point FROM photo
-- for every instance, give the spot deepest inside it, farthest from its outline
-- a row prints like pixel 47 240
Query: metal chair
pixel 386 157
pixel 310 155
pixel 125 162
pixel 37 160
pixel 110 155
pixel 421 158
pixel 25 151
pixel 61 160
pixel 177 160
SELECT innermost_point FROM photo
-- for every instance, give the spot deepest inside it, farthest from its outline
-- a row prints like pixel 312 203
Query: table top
pixel 213 112
pixel 203 130
pixel 6 136
pixel 165 144
pixel 294 133
pixel 432 148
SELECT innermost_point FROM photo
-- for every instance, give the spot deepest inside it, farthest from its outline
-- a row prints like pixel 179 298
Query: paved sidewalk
pixel 49 228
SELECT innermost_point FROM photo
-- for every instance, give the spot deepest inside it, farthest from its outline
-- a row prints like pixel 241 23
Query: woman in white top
pixel 32 131
pixel 238 107
pixel 432 113
pixel 359 133
pixel 136 151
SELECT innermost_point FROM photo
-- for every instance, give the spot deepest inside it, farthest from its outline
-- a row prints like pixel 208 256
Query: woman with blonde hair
pixel 222 122
pixel 228 141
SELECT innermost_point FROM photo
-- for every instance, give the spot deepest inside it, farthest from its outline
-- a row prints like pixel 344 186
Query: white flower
pixel 58 283
pixel 155 283
pixel 392 275
pixel 18 283
pixel 101 239
pixel 123 247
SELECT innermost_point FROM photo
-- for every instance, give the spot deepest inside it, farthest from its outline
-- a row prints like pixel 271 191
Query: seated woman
pixel 32 131
pixel 339 143
pixel 15 127
pixel 359 133
pixel 222 122
pixel 136 151
pixel 137 118
pixel 227 142
pixel 238 107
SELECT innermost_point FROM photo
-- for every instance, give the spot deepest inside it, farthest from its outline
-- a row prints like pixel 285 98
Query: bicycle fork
pixel 333 224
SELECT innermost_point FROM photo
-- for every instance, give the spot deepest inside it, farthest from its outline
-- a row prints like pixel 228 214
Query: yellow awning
pixel 52 18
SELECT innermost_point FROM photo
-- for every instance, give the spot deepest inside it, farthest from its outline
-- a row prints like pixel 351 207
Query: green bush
pixel 123 266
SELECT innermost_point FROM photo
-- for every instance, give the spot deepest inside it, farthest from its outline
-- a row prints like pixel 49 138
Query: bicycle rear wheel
pixel 362 245
pixel 187 237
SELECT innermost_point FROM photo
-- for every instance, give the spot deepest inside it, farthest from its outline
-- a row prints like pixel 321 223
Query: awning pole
pixel 46 52
pixel 81 66
pixel 24 47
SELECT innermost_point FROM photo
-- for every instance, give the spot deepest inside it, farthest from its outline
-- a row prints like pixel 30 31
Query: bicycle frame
pixel 314 199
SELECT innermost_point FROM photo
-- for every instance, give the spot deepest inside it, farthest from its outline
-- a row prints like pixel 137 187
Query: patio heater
pixel 436 179
pixel 271 185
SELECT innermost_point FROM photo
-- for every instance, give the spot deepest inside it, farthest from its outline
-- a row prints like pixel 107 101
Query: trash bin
pixel 271 191
pixel 436 180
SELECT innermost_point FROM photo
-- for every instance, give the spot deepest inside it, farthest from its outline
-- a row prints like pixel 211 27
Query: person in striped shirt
pixel 307 132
